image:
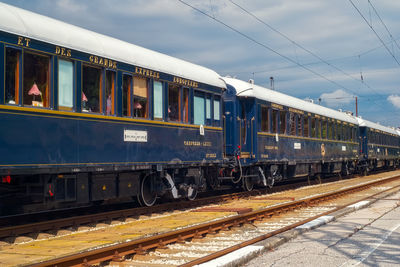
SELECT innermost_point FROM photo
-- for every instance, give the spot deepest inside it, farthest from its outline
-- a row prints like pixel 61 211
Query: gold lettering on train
pixel 104 62
pixel 276 106
pixel 296 111
pixel 63 51
pixel 147 73
pixel 186 82
pixel 23 41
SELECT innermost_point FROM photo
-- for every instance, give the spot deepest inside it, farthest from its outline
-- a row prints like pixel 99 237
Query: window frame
pixel 216 122
pixel 101 84
pixel 17 76
pixel 49 91
pixel 64 108
pixel 129 97
pixel 134 97
pixel 202 95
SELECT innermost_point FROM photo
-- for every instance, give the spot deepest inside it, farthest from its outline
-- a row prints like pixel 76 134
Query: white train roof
pixel 251 90
pixel 373 125
pixel 42 28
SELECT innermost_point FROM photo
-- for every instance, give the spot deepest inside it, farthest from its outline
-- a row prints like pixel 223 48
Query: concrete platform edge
pixel 244 255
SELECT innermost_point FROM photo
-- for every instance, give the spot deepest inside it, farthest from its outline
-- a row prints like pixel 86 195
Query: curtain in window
pixel 158 100
pixel 208 108
pixel 199 110
pixel 216 110
pixel 65 83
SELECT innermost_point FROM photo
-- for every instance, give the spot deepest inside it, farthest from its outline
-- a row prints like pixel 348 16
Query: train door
pixel 247 128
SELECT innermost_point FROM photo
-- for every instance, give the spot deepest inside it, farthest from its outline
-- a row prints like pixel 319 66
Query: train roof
pixel 376 126
pixel 251 90
pixel 22 22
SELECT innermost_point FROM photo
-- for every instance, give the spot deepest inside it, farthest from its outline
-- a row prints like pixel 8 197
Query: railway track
pixel 31 224
pixel 259 222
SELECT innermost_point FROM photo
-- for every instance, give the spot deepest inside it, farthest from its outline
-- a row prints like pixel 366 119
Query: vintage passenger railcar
pixel 280 136
pixel 85 117
pixel 379 146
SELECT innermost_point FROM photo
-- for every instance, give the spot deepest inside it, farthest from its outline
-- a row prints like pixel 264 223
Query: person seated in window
pixel 109 105
pixel 173 113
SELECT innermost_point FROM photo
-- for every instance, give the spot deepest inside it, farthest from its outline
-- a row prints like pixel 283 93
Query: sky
pixel 331 52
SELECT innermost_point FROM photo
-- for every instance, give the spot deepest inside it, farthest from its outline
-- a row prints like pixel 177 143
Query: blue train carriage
pixel 86 118
pixel 379 146
pixel 281 137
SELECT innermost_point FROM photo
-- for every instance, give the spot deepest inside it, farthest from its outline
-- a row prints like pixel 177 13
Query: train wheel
pixel 248 183
pixel 147 195
pixel 318 178
pixel 192 193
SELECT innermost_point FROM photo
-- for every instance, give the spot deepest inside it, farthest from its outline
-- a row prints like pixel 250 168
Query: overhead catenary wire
pixel 390 34
pixel 377 35
pixel 357 55
pixel 264 45
pixel 301 46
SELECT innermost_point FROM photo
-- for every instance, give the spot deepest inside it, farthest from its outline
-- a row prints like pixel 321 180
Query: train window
pixel 12 75
pixel 274 119
pixel 199 110
pixel 185 105
pixel 330 130
pixel 299 128
pixel 333 131
pixel 36 80
pixel 126 95
pixel 110 85
pixel 339 132
pixel 65 84
pixel 208 108
pixel 348 133
pixel 313 128
pixel 282 122
pixel 324 129
pixel 173 102
pixel 264 119
pixel 216 110
pixel 318 128
pixel 140 97
pixel 306 127
pixel 158 102
pixel 91 89
pixel 292 123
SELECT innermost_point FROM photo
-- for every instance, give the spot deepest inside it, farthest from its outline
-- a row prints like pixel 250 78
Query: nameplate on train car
pixel 147 73
pixel 135 136
pixel 276 106
pixel 186 82
pixel 104 62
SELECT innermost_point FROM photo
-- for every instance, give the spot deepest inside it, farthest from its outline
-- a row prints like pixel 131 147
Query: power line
pixel 265 46
pixel 361 80
pixel 390 34
pixel 380 39
pixel 314 62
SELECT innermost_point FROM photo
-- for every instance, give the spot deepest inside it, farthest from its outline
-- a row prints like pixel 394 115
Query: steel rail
pixel 74 221
pixel 276 232
pixel 14 229
pixel 140 246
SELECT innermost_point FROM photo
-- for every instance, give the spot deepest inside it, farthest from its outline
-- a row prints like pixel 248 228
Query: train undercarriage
pixel 33 193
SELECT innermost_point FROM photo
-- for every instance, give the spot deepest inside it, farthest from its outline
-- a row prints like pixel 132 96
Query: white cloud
pixel 395 100
pixel 337 98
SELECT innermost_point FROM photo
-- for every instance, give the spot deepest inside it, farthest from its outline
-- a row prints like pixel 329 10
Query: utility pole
pixel 356 107
pixel 272 83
